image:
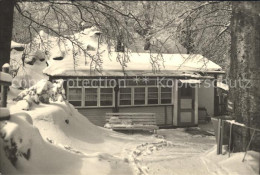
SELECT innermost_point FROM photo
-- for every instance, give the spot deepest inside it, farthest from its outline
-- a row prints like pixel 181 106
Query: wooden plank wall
pixel 96 115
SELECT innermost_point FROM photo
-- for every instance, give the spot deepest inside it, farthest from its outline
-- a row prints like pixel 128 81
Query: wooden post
pixel 230 139
pixel 248 145
pixel 175 102
pixel 216 101
pixel 196 105
pixel 221 135
pixel 4 89
pixel 219 139
pixel 116 90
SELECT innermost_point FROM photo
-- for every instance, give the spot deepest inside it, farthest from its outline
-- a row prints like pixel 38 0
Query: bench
pixel 132 121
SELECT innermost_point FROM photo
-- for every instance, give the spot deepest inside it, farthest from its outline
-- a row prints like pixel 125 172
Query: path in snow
pixel 182 153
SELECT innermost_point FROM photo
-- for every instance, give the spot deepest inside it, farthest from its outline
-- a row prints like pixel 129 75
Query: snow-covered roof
pixel 5 77
pixel 139 63
pixel 222 86
pixel 15 45
pixel 192 81
pixel 6 65
pixel 65 58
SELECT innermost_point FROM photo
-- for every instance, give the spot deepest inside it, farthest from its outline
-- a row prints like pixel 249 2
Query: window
pixel 145 93
pixel 152 95
pixel 186 91
pixel 91 96
pixel 139 96
pixel 141 93
pixel 106 96
pixel 75 95
pixel 125 96
pixel 166 95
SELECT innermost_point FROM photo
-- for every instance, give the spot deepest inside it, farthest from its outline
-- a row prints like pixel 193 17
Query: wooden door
pixel 186 101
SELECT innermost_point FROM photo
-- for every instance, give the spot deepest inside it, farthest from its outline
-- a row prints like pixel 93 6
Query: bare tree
pixel 55 18
pixel 205 29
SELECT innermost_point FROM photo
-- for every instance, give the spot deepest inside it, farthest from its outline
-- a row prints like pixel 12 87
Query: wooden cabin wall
pixel 206 98
pixel 96 115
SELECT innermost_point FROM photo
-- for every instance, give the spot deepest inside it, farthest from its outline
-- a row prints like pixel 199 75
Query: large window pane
pixel 152 95
pixel 91 97
pixel 106 96
pixel 166 95
pixel 139 97
pixel 125 96
pixel 75 95
pixel 186 91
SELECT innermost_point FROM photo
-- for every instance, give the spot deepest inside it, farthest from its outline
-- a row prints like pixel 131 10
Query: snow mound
pixel 233 164
pixel 24 151
pixel 55 138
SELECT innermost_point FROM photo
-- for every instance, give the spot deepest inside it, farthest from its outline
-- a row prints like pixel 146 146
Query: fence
pixel 219 128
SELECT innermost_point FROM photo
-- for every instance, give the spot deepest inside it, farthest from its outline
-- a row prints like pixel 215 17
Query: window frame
pixel 172 97
pixel 84 96
pixel 145 99
pixel 158 95
pixel 119 96
pixel 146 95
pixel 98 96
pixel 68 94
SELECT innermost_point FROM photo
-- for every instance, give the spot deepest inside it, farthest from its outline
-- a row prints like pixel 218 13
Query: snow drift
pixel 54 138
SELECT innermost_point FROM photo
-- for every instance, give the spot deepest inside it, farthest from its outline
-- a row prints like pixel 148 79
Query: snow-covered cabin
pixel 173 86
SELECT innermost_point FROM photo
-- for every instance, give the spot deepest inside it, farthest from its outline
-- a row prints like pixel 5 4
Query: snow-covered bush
pixel 44 91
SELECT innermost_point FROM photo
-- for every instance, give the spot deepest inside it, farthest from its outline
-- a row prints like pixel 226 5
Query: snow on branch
pixel 44 91
pixel 189 12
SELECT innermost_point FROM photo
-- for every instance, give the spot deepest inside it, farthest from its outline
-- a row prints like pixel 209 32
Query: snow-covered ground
pixel 56 139
pixel 192 152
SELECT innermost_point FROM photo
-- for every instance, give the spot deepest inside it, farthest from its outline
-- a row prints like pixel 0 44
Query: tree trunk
pixel 244 68
pixel 6 25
